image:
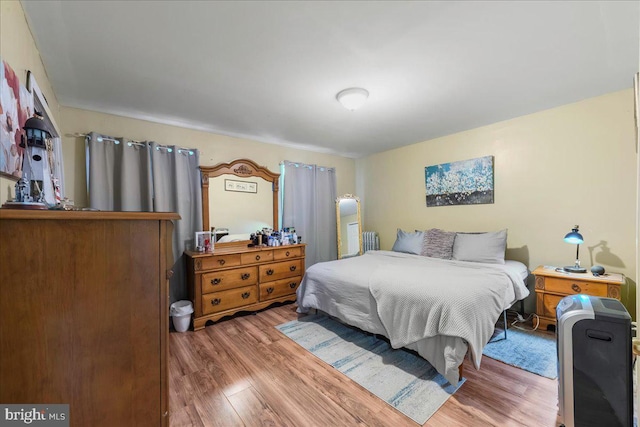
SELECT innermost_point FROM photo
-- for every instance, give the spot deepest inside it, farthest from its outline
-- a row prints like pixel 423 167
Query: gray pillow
pixel 408 242
pixel 480 247
pixel 438 243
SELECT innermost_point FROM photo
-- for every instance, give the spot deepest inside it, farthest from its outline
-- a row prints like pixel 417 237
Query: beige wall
pixel 574 164
pixel 19 50
pixel 213 148
pixel 538 194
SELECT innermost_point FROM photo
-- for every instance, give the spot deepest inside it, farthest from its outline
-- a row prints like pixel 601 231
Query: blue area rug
pixel 399 377
pixel 529 350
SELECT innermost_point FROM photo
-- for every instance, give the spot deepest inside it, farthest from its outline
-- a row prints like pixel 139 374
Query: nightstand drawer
pixel 570 287
pixel 228 279
pixel 225 300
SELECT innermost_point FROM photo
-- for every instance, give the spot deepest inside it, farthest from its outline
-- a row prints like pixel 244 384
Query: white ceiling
pixel 269 71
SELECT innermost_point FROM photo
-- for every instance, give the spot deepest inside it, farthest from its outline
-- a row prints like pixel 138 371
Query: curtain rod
pixel 134 142
pixel 101 138
pixel 298 164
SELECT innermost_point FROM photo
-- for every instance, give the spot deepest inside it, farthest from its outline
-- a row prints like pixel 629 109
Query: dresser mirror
pixel 349 226
pixel 238 198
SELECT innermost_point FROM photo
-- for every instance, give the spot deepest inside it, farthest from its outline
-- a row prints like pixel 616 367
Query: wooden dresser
pixel 84 303
pixel 552 286
pixel 238 278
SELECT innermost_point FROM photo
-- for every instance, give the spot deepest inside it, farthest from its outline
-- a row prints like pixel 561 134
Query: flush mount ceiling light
pixel 352 98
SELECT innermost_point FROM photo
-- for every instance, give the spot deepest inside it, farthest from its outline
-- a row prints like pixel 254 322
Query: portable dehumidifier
pixel 595 385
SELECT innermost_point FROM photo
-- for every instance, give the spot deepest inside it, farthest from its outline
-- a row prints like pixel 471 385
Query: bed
pixel 440 308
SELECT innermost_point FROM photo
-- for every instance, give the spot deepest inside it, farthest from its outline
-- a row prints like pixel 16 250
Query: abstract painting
pixel 466 182
pixel 16 106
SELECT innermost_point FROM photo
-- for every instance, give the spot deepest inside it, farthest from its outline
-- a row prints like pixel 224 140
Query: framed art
pixel 16 106
pixel 203 241
pixel 467 182
pixel 241 186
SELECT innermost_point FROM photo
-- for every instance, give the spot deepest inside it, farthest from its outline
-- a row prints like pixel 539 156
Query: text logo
pixel 34 414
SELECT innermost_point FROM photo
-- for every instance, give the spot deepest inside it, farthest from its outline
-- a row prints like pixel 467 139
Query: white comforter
pixel 436 307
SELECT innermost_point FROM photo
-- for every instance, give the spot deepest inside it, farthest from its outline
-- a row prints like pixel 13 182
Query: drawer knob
pixel 246 295
pixel 292 285
pixel 576 288
pixel 286 253
pixel 292 268
pixel 245 276
pixel 257 257
pixel 216 281
pixel 269 290
pixel 221 261
pixel 215 301
pixel 269 272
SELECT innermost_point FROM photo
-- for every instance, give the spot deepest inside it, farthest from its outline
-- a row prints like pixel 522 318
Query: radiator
pixel 370 241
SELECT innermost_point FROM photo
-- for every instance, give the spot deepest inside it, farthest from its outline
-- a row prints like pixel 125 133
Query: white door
pixel 353 238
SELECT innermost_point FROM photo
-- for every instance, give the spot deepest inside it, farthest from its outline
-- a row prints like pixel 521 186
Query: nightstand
pixel 552 286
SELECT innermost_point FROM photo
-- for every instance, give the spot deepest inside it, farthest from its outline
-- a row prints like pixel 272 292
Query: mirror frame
pixel 241 168
pixel 339 234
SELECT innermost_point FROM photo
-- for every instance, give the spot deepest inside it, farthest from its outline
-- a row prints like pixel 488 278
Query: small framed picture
pixel 204 242
pixel 241 186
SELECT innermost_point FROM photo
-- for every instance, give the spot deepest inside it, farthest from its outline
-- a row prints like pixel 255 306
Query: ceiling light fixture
pixel 352 98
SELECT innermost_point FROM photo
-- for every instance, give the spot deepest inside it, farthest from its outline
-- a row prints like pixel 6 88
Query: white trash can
pixel 181 311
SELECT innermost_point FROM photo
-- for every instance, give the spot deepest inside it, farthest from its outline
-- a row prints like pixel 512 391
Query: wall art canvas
pixel 16 106
pixel 467 182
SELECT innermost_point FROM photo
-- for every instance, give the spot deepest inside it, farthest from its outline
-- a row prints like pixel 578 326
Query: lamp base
pixel 574 269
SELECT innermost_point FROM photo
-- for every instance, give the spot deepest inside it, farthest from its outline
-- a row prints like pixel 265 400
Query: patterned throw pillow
pixel 438 243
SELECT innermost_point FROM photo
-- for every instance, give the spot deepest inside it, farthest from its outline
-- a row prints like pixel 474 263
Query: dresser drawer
pixel 280 270
pixel 285 253
pixel 255 257
pixel 279 288
pixel 570 287
pixel 232 298
pixel 228 279
pixel 220 261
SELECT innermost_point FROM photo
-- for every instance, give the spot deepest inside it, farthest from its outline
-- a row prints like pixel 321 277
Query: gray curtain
pixel 177 188
pixel 132 176
pixel 118 174
pixel 309 194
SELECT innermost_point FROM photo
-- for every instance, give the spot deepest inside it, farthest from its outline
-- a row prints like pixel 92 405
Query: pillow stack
pixel 485 247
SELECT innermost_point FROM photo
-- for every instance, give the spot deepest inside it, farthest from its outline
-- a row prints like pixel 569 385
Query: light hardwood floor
pixel 244 372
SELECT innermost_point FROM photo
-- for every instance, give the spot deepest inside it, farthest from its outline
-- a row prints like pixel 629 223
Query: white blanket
pixel 430 305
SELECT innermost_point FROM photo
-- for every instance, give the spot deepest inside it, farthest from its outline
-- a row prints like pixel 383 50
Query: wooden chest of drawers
pixel 552 286
pixel 238 278
pixel 84 298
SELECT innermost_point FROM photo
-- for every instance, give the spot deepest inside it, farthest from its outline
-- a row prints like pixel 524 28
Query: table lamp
pixel 574 237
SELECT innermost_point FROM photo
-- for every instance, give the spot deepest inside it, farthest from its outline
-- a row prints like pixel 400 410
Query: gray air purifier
pixel 595 385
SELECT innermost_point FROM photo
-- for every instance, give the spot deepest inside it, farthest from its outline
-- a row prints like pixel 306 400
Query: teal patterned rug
pixel 529 350
pixel 399 377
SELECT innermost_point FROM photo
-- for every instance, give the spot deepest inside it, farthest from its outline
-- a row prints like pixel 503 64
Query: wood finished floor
pixel 244 372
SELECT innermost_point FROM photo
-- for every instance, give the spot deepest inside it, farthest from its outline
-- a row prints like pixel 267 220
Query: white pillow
pixel 408 242
pixel 480 247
